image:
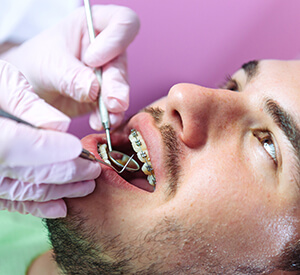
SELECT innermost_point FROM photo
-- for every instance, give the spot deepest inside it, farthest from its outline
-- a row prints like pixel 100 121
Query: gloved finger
pixel 95 120
pixel 50 210
pixel 115 87
pixel 59 173
pixel 22 145
pixel 17 97
pixel 118 26
pixel 15 190
pixel 73 79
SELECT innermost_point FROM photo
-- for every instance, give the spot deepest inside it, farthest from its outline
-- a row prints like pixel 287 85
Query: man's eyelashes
pixel 230 84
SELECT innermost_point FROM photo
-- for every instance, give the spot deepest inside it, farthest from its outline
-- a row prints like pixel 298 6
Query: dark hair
pixel 77 253
pixel 290 258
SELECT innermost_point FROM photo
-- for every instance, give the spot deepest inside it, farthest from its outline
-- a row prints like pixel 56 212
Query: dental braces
pixel 145 157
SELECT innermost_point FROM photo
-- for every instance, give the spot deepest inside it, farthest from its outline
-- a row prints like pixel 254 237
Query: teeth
pixel 102 149
pixel 151 179
pixel 147 168
pixel 137 142
pixel 139 146
pixel 143 155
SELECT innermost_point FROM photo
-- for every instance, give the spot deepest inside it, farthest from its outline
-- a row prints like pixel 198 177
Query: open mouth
pixel 145 177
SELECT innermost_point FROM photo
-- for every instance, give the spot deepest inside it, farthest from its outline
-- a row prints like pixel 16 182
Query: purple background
pixel 201 41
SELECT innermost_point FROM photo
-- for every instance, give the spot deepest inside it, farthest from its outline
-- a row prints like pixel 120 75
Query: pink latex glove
pixel 53 62
pixel 38 167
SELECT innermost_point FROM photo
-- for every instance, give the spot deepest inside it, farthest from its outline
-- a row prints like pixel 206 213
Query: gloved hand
pixel 53 62
pixel 38 167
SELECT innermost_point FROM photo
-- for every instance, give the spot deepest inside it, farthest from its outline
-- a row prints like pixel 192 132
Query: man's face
pixel 226 171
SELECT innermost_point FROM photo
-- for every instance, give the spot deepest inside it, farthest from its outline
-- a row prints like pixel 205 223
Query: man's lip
pixel 92 141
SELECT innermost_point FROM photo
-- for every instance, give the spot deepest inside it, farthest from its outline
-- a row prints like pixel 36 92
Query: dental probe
pixel 133 166
pixel 16 119
pixel 102 108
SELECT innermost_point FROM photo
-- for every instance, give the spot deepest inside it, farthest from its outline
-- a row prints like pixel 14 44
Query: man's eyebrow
pixel 287 124
pixel 251 69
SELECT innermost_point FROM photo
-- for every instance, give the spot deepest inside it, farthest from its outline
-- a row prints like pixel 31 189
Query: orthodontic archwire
pixel 144 156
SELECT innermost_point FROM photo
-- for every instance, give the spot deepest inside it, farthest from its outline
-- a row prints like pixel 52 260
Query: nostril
pixel 178 118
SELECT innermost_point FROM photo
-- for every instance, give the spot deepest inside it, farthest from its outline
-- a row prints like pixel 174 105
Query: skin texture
pixel 231 206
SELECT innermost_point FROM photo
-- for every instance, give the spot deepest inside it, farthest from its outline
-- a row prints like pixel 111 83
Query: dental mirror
pixel 120 159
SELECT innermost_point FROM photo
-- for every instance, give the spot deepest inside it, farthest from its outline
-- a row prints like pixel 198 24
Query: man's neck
pixel 44 264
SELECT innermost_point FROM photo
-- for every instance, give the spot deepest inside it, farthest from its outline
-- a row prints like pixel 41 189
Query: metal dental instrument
pixel 84 154
pixel 115 156
pixel 12 117
pixel 90 156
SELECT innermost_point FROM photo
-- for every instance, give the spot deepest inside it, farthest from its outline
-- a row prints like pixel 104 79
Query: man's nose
pixel 199 113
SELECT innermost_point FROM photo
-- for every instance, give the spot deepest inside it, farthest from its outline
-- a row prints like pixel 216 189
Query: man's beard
pixel 167 248
pixel 79 250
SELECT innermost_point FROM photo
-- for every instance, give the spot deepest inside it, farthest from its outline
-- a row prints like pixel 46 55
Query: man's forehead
pixel 280 70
